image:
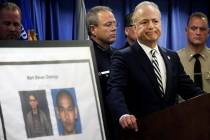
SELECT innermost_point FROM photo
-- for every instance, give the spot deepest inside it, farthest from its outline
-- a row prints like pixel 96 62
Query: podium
pixel 189 120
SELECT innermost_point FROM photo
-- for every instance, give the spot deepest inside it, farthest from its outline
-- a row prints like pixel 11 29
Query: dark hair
pixel 92 16
pixel 33 96
pixel 65 93
pixel 9 6
pixel 128 20
pixel 197 14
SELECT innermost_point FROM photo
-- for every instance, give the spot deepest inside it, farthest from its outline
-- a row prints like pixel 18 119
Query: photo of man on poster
pixel 67 112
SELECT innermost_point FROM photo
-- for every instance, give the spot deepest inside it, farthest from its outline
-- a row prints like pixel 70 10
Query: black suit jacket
pixel 103 60
pixel 133 88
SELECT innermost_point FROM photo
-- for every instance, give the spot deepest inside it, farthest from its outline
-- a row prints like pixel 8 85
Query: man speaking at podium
pixel 146 78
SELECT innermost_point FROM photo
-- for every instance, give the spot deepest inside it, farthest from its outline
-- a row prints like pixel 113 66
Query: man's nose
pixel 12 27
pixel 150 24
pixel 66 114
pixel 114 26
pixel 198 31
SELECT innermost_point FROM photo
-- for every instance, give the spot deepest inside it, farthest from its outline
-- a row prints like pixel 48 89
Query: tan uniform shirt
pixel 188 61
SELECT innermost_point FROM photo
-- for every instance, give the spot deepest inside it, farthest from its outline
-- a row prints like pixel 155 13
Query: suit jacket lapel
pixel 147 66
pixel 167 60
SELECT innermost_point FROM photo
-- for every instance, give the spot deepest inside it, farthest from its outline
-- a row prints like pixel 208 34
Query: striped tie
pixel 157 71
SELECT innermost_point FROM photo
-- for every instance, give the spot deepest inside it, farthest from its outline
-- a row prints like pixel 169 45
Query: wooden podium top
pixel 189 120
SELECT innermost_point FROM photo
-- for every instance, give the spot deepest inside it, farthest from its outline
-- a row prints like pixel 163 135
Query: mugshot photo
pixel 66 111
pixel 36 113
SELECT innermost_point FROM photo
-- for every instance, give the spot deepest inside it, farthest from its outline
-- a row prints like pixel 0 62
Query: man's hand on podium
pixel 128 122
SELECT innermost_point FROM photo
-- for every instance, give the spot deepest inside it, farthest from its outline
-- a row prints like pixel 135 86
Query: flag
pixel 81 31
pixel 23 34
pixel 27 28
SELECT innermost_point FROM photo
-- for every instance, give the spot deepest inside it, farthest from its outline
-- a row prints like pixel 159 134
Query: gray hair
pixel 198 15
pixel 140 5
pixel 92 16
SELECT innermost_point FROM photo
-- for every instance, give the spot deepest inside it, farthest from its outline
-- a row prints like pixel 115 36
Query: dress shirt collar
pixel 101 48
pixel 147 49
pixel 191 53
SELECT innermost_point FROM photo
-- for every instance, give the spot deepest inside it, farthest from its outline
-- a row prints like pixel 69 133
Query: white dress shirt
pixel 160 60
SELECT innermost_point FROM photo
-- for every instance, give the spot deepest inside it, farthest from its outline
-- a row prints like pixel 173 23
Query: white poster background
pixel 67 67
pixel 1 131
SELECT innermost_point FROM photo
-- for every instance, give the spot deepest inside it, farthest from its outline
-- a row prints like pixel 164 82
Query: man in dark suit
pixel 145 78
pixel 101 26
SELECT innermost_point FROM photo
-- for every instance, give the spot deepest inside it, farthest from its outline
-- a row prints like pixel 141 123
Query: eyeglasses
pixel 111 24
pixel 107 24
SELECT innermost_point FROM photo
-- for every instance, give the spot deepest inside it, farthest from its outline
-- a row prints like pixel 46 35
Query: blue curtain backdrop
pixel 56 19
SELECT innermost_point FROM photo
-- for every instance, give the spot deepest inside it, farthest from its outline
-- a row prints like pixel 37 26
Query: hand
pixel 32 35
pixel 128 122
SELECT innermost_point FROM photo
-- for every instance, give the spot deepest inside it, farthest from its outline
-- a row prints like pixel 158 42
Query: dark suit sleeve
pixel 117 85
pixel 186 87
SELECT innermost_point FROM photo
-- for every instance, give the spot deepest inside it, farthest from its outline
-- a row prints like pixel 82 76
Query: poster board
pixel 32 75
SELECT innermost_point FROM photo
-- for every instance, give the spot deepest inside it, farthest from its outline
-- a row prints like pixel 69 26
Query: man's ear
pixel 126 31
pixel 92 29
pixel 186 28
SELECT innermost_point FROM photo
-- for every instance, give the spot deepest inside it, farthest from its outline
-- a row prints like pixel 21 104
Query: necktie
pixel 157 71
pixel 197 71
